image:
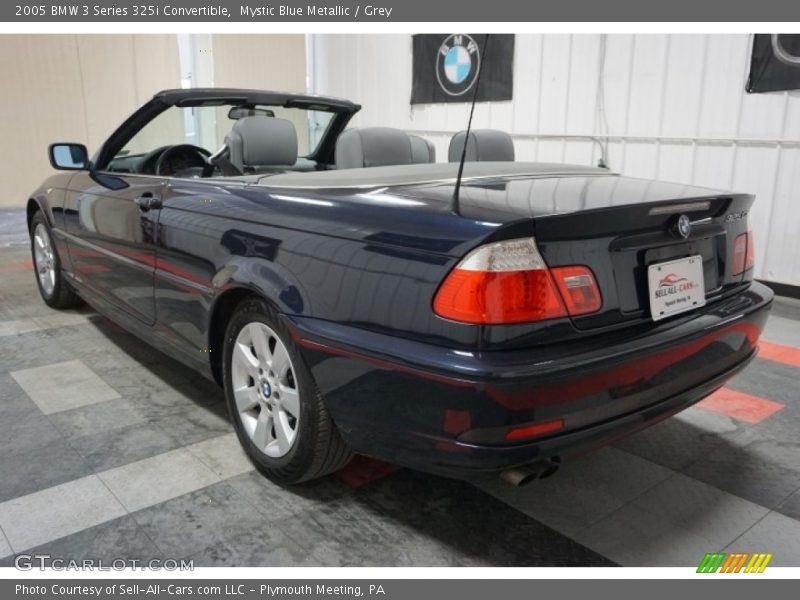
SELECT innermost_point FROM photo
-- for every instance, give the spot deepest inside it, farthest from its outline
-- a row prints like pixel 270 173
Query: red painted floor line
pixel 788 355
pixel 740 406
pixel 22 265
pixel 362 470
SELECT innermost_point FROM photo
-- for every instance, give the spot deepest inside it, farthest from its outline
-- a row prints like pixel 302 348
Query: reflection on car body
pixel 361 310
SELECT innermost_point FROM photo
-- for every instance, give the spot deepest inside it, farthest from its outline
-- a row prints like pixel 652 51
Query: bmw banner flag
pixel 775 63
pixel 446 67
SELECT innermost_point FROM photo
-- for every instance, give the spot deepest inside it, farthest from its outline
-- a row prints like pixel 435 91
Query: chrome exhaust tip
pixel 522 476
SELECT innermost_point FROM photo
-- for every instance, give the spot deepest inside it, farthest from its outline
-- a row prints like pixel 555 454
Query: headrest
pixel 422 150
pixel 484 145
pixel 378 147
pixel 261 140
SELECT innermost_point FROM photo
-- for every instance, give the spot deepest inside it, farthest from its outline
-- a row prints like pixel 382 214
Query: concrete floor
pixel 109 449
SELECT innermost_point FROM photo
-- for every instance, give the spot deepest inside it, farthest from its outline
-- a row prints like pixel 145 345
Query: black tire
pixel 318 448
pixel 62 295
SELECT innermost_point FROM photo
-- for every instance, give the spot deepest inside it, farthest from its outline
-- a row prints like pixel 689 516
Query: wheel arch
pixel 238 280
pixel 40 202
pixel 225 305
pixel 31 209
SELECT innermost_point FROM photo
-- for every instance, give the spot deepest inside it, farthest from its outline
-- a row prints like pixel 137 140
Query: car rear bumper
pixel 450 411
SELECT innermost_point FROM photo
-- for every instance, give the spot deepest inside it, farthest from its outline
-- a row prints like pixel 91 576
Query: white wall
pixel 79 88
pixel 71 88
pixel 266 62
pixel 675 109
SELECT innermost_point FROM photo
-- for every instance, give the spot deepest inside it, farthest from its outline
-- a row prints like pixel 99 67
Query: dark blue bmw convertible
pixel 352 294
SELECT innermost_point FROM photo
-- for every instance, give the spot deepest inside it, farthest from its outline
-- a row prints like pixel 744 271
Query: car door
pixel 111 222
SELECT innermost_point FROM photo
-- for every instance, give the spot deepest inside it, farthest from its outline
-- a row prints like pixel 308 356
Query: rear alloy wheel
pixel 276 408
pixel 265 390
pixel 54 290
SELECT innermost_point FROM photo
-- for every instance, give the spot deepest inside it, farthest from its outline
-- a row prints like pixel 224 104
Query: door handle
pixel 147 201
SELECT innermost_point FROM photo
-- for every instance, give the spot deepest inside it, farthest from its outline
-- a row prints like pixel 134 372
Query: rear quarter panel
pixel 313 254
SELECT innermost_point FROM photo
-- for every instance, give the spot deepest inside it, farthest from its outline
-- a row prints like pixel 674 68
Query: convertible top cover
pixel 423 173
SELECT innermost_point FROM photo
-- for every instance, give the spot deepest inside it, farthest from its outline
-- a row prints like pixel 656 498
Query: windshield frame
pixel 343 111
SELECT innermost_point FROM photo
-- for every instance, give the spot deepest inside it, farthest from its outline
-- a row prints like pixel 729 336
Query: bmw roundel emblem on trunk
pixel 682 227
pixel 457 64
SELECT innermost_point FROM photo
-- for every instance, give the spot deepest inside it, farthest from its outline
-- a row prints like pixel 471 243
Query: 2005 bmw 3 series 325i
pixel 351 294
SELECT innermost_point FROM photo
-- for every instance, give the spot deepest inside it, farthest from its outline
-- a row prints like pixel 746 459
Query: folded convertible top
pixel 375 177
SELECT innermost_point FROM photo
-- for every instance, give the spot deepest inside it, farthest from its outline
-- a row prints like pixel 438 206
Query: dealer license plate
pixel 676 286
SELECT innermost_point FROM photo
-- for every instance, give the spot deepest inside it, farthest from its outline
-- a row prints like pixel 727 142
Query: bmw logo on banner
pixel 775 63
pixel 446 67
pixel 457 64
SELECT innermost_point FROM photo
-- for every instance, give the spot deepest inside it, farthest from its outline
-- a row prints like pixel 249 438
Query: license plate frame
pixel 675 286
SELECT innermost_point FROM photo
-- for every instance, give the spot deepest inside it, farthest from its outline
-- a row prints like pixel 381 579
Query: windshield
pixel 207 127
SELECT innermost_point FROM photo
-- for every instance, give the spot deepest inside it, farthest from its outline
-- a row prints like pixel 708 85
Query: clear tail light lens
pixel 744 255
pixel 509 282
pixel 578 289
pixel 750 256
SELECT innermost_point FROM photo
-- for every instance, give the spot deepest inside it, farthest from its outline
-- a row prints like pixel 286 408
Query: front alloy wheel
pixel 55 291
pixel 44 259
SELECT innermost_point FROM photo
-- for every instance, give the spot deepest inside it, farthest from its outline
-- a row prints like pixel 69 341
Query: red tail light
pixel 744 253
pixel 509 282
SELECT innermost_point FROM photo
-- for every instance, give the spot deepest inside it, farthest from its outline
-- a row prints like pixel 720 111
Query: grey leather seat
pixel 484 145
pixel 422 150
pixel 379 147
pixel 261 141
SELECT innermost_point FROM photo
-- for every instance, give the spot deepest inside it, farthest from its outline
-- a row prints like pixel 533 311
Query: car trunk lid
pixel 617 226
pixel 620 244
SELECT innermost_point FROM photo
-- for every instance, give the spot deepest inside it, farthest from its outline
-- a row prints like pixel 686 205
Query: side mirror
pixel 69 157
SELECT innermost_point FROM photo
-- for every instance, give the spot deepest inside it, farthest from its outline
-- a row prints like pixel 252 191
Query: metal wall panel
pixel 675 109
